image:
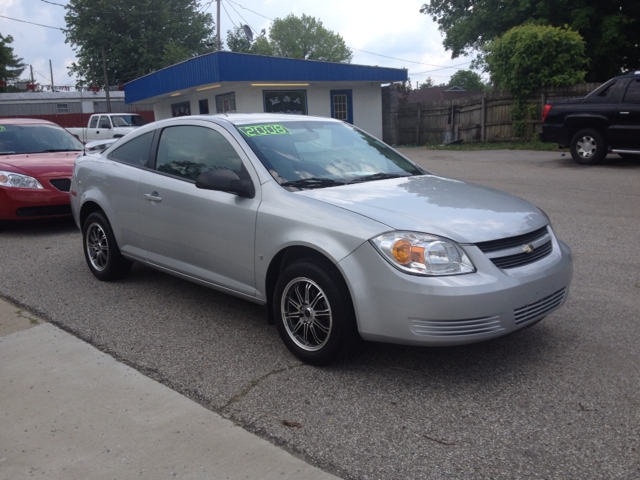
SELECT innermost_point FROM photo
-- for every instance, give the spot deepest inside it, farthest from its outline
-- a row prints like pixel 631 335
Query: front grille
pixel 511 242
pixel 537 310
pixel 454 328
pixel 62 184
pixel 520 259
pixel 44 211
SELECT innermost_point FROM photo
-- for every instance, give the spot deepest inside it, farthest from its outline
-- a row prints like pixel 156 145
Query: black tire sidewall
pixel 601 147
pixel 117 266
pixel 335 289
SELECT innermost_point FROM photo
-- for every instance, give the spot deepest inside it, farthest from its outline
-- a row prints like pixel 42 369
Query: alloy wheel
pixel 97 247
pixel 306 313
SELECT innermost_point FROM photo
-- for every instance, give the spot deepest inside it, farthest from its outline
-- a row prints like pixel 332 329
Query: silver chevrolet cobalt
pixel 336 232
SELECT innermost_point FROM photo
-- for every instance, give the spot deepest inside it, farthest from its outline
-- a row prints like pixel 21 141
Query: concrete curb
pixel 70 411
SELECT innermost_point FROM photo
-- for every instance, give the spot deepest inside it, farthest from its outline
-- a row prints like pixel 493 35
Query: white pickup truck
pixel 108 125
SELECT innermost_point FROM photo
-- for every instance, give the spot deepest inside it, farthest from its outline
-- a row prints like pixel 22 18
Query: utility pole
pixel 218 29
pixel 106 82
pixel 51 70
pixel 32 81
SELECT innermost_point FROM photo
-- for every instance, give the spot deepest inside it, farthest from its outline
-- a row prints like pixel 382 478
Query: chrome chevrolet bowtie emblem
pixel 528 248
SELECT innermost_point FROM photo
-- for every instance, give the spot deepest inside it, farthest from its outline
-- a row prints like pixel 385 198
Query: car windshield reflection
pixel 316 154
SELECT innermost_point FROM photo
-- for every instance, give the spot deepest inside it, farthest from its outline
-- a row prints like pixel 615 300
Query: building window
pixel 180 109
pixel 204 106
pixel 340 107
pixel 226 103
pixel 285 101
pixel 62 107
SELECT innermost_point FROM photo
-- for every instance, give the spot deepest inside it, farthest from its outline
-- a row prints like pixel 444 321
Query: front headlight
pixel 10 179
pixel 423 254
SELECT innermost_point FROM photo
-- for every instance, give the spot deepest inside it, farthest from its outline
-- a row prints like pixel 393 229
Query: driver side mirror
pixel 225 181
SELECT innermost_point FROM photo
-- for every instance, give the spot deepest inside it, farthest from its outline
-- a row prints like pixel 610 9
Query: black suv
pixel 606 120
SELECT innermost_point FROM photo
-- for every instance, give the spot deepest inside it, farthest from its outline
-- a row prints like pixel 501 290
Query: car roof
pixel 24 121
pixel 249 118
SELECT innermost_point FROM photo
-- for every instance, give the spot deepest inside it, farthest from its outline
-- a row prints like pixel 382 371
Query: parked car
pixel 339 234
pixel 606 120
pixel 108 125
pixel 36 164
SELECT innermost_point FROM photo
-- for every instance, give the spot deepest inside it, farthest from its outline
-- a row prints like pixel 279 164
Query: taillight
pixel 545 111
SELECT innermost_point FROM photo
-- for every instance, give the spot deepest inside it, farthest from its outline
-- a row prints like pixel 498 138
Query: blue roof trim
pixel 241 67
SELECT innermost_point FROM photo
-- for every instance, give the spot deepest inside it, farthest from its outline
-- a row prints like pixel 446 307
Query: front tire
pixel 588 147
pixel 313 311
pixel 101 250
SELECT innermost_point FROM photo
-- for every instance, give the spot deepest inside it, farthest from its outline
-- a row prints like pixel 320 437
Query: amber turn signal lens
pixel 402 251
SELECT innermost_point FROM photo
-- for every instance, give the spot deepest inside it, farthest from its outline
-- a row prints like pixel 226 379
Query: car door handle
pixel 624 113
pixel 152 197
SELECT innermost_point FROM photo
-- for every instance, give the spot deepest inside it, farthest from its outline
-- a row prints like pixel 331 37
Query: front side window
pixel 134 152
pixel 188 151
pixel 285 101
pixel 633 92
pixel 313 154
pixel 104 122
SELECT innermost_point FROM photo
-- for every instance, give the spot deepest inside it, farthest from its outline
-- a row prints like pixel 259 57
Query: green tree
pixel 610 28
pixel 428 83
pixel 237 40
pixel 138 36
pixel 468 80
pixel 304 38
pixel 532 56
pixel 11 67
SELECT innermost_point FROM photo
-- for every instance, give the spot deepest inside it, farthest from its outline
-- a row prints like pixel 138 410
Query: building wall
pixel 367 103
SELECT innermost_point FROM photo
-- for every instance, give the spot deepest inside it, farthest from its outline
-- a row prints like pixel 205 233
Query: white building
pixel 222 82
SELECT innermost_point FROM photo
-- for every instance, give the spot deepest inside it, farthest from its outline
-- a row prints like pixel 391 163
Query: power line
pixel 440 67
pixel 246 23
pixel 245 8
pixel 38 24
pixel 53 3
pixel 229 16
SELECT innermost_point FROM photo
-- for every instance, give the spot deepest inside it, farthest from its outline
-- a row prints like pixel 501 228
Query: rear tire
pixel 588 147
pixel 313 311
pixel 101 250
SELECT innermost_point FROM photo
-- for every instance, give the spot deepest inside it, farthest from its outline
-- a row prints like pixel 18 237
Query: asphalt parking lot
pixel 558 400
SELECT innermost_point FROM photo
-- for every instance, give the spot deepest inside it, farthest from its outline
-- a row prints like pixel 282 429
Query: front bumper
pixel 394 307
pixel 33 204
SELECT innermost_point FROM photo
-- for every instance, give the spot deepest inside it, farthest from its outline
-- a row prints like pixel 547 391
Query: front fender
pixel 286 219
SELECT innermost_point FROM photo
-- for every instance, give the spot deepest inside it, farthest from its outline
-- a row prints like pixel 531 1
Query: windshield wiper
pixel 313 182
pixel 51 150
pixel 377 176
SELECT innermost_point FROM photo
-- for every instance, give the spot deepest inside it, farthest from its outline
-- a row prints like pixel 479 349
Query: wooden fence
pixel 483 117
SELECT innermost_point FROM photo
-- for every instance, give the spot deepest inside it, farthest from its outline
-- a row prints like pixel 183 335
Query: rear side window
pixel 188 151
pixel 134 152
pixel 633 92
pixel 94 122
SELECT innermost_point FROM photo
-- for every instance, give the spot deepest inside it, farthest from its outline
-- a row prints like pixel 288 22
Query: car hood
pixel 54 164
pixel 461 211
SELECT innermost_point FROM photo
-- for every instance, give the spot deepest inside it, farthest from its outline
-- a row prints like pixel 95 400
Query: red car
pixel 36 164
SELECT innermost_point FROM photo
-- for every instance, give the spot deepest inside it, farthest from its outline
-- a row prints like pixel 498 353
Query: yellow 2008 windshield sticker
pixel 260 130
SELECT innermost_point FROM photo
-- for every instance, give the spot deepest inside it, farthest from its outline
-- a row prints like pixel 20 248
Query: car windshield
pixel 128 121
pixel 316 154
pixel 36 138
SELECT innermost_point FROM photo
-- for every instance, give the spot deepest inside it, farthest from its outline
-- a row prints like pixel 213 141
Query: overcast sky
pixel 388 29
